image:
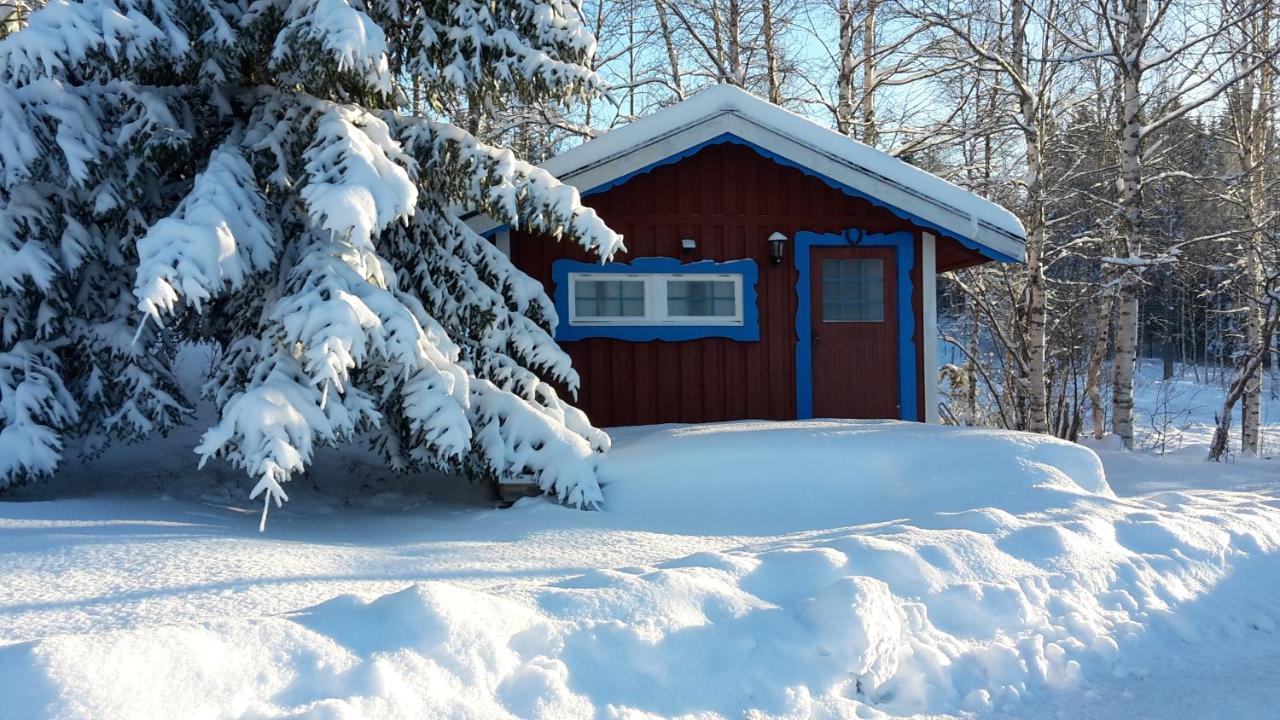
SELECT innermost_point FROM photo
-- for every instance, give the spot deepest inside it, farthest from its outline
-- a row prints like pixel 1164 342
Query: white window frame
pixel 655 300
pixel 576 319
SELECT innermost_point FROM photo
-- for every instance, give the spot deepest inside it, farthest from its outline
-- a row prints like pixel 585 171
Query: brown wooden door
pixel 854 332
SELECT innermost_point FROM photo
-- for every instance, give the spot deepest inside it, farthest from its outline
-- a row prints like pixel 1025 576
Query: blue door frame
pixel 903 244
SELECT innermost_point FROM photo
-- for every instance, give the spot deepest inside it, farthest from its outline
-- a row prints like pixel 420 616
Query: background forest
pixel 1134 138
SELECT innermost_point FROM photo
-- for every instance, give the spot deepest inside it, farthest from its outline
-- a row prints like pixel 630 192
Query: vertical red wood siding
pixel 728 199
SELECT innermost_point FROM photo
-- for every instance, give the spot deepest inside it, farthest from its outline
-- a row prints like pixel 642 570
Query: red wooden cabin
pixel 774 268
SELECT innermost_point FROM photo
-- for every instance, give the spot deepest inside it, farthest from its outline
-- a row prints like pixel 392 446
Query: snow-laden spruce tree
pixel 242 172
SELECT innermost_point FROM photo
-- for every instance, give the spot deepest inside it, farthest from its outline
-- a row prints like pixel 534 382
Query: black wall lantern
pixel 777 245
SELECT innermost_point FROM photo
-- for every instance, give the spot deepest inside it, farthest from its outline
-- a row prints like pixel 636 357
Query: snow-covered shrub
pixel 247 174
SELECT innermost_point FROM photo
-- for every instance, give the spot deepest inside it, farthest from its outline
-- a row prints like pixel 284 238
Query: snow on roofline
pixel 728 114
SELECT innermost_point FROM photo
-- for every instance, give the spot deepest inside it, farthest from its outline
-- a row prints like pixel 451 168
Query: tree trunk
pixel 673 52
pixel 717 31
pixel 1093 376
pixel 971 365
pixel 1256 290
pixel 1274 342
pixel 1125 362
pixel 870 133
pixel 1130 224
pixel 1037 413
pixel 1249 366
pixel 735 44
pixel 844 80
pixel 770 52
pixel 631 60
pixel 1255 342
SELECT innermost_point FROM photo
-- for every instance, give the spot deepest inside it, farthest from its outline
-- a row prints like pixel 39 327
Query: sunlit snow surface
pixel 824 569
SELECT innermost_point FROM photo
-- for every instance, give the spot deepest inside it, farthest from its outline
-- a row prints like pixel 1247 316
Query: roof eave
pixel 592 172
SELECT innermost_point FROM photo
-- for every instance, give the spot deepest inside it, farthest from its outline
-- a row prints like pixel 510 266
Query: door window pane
pixel 701 298
pixel 853 290
pixel 609 298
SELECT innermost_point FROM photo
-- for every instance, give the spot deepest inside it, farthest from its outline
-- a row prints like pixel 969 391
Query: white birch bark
pixel 673 52
pixel 770 52
pixel 1034 218
pixel 1027 347
pixel 1258 127
pixel 844 80
pixel 870 131
pixel 1097 356
pixel 739 75
pixel 1133 24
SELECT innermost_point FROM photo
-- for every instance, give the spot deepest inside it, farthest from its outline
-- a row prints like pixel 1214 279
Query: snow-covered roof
pixel 724 113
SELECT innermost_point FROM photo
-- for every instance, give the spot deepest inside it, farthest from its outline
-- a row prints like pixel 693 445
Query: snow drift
pixel 1050 582
pixel 762 478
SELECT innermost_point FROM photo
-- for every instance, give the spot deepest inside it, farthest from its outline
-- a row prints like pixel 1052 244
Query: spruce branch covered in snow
pixel 244 173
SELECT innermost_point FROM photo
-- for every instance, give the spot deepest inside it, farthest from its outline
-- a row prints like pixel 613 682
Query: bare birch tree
pixel 1251 115
pixel 1030 73
pixel 1169 44
pixel 867 106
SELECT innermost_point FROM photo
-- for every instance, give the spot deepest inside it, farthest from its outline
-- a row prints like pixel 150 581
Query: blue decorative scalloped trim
pixel 730 138
pixel 748 331
pixel 904 244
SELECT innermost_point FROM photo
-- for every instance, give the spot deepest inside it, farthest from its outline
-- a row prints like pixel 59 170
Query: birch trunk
pixel 673 52
pixel 770 52
pixel 844 80
pixel 1135 20
pixel 870 132
pixel 1098 353
pixel 1255 339
pixel 717 32
pixel 1251 398
pixel 1250 366
pixel 1126 360
pixel 1037 413
pixel 735 44
pixel 971 366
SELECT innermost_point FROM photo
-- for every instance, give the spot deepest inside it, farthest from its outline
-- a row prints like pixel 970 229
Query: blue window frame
pixel 656 299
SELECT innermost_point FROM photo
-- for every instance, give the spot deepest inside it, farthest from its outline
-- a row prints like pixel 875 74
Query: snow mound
pixel 980 610
pixel 758 477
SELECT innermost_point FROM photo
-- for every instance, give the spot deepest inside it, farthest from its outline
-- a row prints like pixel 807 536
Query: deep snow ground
pixel 127 559
pixel 116 602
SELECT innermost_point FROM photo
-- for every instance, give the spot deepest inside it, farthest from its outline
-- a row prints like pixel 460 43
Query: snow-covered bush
pixel 247 173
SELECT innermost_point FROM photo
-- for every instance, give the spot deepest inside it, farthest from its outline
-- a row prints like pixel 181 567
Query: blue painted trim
pixel 904 245
pixel 748 331
pixel 730 138
pixel 493 232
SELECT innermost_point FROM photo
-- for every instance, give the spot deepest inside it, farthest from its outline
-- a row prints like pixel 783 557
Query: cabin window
pixel 704 299
pixel 853 290
pixel 655 299
pixel 609 299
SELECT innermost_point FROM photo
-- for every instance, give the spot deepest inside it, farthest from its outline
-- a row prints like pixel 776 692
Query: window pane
pixel 609 298
pixel 853 290
pixel 701 298
pixel 831 269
